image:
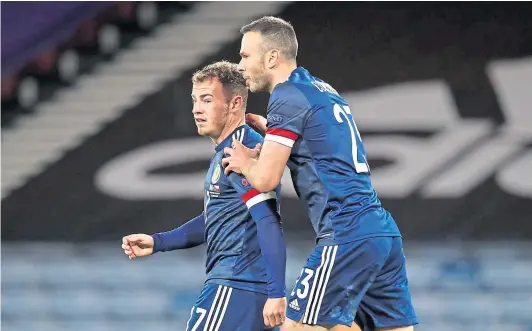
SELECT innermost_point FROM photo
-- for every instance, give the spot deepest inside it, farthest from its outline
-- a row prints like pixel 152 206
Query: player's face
pixel 210 108
pixel 252 64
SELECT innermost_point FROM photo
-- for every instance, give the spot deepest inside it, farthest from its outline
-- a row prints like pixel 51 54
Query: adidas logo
pixel 294 305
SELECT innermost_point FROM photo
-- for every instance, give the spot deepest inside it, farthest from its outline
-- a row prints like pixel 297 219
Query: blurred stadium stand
pixel 49 45
pixel 92 286
pixel 98 141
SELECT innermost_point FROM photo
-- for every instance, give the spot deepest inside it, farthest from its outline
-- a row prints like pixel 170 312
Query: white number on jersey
pixel 302 293
pixel 360 167
pixel 202 312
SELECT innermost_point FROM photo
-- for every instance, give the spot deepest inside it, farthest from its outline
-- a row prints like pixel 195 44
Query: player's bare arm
pixel 257 121
pixel 264 173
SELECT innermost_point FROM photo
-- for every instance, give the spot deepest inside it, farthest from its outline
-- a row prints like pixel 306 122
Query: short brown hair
pixel 228 75
pixel 277 33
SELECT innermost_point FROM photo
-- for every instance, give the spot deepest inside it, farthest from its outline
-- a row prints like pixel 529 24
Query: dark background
pixel 354 46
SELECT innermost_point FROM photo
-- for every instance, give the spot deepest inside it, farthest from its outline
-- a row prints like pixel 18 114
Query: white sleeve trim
pixel 260 198
pixel 281 140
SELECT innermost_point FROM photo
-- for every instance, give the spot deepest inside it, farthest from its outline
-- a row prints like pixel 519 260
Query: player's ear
pixel 272 58
pixel 236 103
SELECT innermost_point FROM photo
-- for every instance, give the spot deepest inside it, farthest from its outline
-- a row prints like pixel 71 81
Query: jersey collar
pixel 229 139
pixel 298 73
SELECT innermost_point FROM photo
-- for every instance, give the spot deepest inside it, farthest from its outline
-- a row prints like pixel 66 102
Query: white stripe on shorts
pixel 215 307
pixel 213 304
pixel 224 309
pixel 321 278
pixel 221 300
pixel 322 293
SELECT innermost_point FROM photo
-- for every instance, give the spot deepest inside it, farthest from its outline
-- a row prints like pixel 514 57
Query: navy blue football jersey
pixel 328 162
pixel 233 254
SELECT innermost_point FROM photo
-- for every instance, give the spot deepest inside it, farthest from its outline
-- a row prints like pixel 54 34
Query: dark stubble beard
pixel 262 81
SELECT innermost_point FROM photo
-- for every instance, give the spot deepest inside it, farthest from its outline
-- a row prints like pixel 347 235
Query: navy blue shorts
pixel 223 308
pixel 363 281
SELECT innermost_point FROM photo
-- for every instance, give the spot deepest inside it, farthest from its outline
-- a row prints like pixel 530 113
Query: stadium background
pixel 98 141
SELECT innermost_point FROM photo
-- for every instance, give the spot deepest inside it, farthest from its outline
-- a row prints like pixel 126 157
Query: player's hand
pixel 274 311
pixel 239 158
pixel 255 152
pixel 257 121
pixel 137 245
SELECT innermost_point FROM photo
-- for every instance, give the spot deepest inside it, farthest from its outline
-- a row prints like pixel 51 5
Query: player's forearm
pixel 273 249
pixel 260 176
pixel 272 245
pixel 190 234
pixel 265 173
pixel 256 177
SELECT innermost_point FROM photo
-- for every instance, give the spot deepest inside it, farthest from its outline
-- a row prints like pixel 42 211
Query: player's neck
pixel 282 74
pixel 230 126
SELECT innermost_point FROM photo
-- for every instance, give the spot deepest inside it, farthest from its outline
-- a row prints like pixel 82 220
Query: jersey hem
pixel 236 285
pixel 331 242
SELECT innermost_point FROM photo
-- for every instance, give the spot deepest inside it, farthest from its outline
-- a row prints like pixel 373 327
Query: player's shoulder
pixel 247 136
pixel 303 88
pixel 286 91
pixel 288 96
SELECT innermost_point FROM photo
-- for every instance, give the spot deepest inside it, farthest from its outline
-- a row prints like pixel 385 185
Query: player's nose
pixel 196 109
pixel 240 66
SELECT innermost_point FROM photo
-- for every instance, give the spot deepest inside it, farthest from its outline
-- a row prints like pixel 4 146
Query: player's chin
pixel 252 87
pixel 202 130
pixel 255 89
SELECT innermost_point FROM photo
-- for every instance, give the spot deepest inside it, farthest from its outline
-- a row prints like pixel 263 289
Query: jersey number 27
pixel 341 113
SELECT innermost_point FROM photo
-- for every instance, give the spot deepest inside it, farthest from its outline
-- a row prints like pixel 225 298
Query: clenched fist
pixel 137 245
pixel 274 311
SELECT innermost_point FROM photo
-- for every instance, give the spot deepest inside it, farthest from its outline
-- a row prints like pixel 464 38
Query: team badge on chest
pixel 214 190
pixel 216 174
